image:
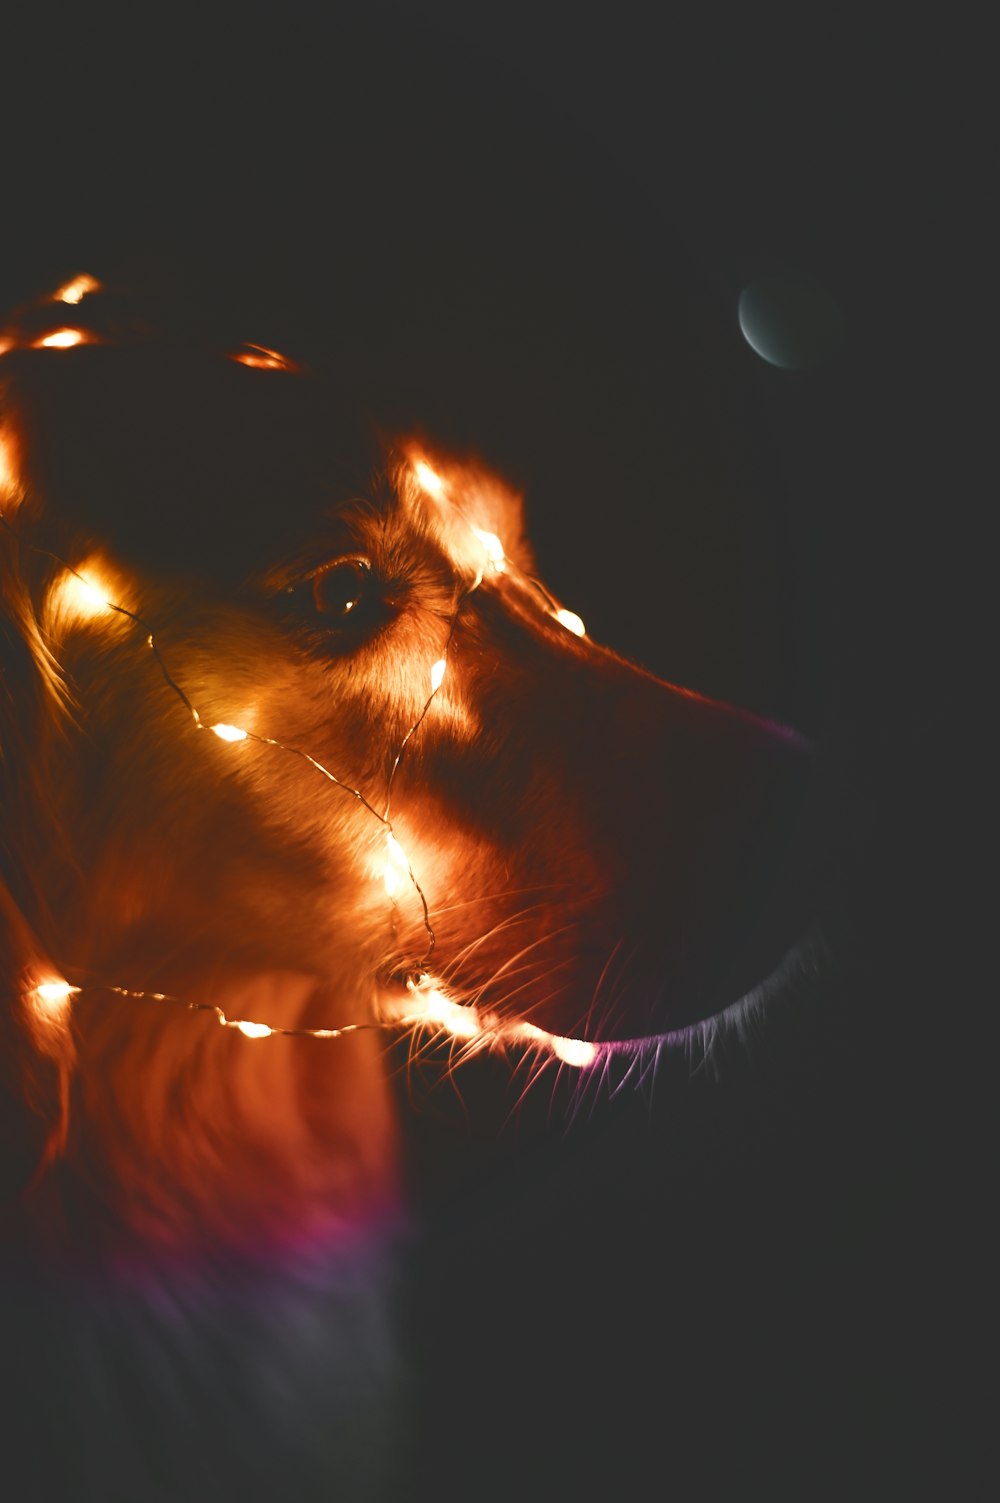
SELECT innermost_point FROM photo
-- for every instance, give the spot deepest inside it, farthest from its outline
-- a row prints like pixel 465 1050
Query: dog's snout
pixel 659 821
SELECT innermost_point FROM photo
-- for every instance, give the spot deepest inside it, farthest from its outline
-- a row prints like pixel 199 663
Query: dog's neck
pixel 186 1138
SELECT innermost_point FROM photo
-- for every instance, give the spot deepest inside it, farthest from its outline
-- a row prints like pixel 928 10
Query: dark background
pixel 530 233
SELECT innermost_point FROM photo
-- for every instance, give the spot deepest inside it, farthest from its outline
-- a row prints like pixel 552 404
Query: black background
pixel 532 235
pixel 529 232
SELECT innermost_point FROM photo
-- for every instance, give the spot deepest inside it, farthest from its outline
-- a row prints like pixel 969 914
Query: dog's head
pixel 290 726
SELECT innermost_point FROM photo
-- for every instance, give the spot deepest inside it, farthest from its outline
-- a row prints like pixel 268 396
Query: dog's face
pixel 420 767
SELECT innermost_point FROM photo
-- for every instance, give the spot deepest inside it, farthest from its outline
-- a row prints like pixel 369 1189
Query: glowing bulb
pixel 80 594
pixel 463 1022
pixel 494 548
pixel 76 291
pixel 5 345
pixel 259 357
pixel 228 732
pixel 60 339
pixel 92 595
pixel 252 1030
pixel 51 999
pixel 55 993
pixel 428 480
pixel 575 1052
pixel 397 868
pixel 437 675
pixel 530 1032
pixel 572 622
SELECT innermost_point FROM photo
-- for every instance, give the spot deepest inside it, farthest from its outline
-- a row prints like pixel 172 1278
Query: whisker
pixel 503 894
pixel 502 925
pixel 543 939
pixel 536 977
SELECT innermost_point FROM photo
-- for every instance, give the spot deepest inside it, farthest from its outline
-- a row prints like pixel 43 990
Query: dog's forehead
pixel 180 449
pixel 186 459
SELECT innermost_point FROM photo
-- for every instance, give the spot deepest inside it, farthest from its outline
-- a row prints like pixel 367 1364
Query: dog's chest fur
pixel 228 1384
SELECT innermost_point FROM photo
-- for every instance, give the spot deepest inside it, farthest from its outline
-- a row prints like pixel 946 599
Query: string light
pixel 61 339
pixel 433 485
pixel 93 599
pixel 571 621
pixel 248 1029
pixel 426 1003
pixel 494 549
pixel 51 998
pixel 576 1052
pixel 51 992
pixel 76 290
pixel 259 357
pixel 79 593
pixel 397 867
pixel 429 480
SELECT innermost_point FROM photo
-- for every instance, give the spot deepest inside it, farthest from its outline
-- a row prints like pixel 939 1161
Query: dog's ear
pixel 35 1043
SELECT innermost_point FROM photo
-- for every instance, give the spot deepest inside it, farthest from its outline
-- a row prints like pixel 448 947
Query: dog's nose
pixel 706 829
pixel 694 815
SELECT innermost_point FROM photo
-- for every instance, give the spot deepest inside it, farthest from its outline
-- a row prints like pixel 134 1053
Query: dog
pixel 300 758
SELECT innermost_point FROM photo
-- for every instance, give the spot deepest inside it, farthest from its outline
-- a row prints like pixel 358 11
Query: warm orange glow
pixel 437 675
pixel 428 1005
pixel 5 345
pixel 228 732
pixel 572 622
pixel 428 480
pixel 462 1022
pixel 7 474
pixel 467 495
pixel 83 594
pixel 259 357
pixel 60 339
pixel 51 998
pixel 55 991
pixel 575 1052
pixel 494 548
pixel 76 290
pixel 531 1034
pixel 397 868
pixel 251 1030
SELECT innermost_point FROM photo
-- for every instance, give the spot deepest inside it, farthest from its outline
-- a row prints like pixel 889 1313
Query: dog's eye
pixel 342 589
pixel 346 601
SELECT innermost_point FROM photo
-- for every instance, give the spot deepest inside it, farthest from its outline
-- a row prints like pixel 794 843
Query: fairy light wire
pixel 426 1007
pixel 245 1026
pixel 238 733
pixel 468 1025
pixel 435 691
pixel 494 556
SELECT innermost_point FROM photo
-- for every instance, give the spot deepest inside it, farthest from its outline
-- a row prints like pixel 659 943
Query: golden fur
pixel 585 835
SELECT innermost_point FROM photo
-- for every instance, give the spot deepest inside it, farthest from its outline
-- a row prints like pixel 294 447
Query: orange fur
pixel 583 833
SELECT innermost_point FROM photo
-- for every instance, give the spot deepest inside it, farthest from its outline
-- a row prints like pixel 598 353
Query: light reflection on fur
pixel 212 1212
